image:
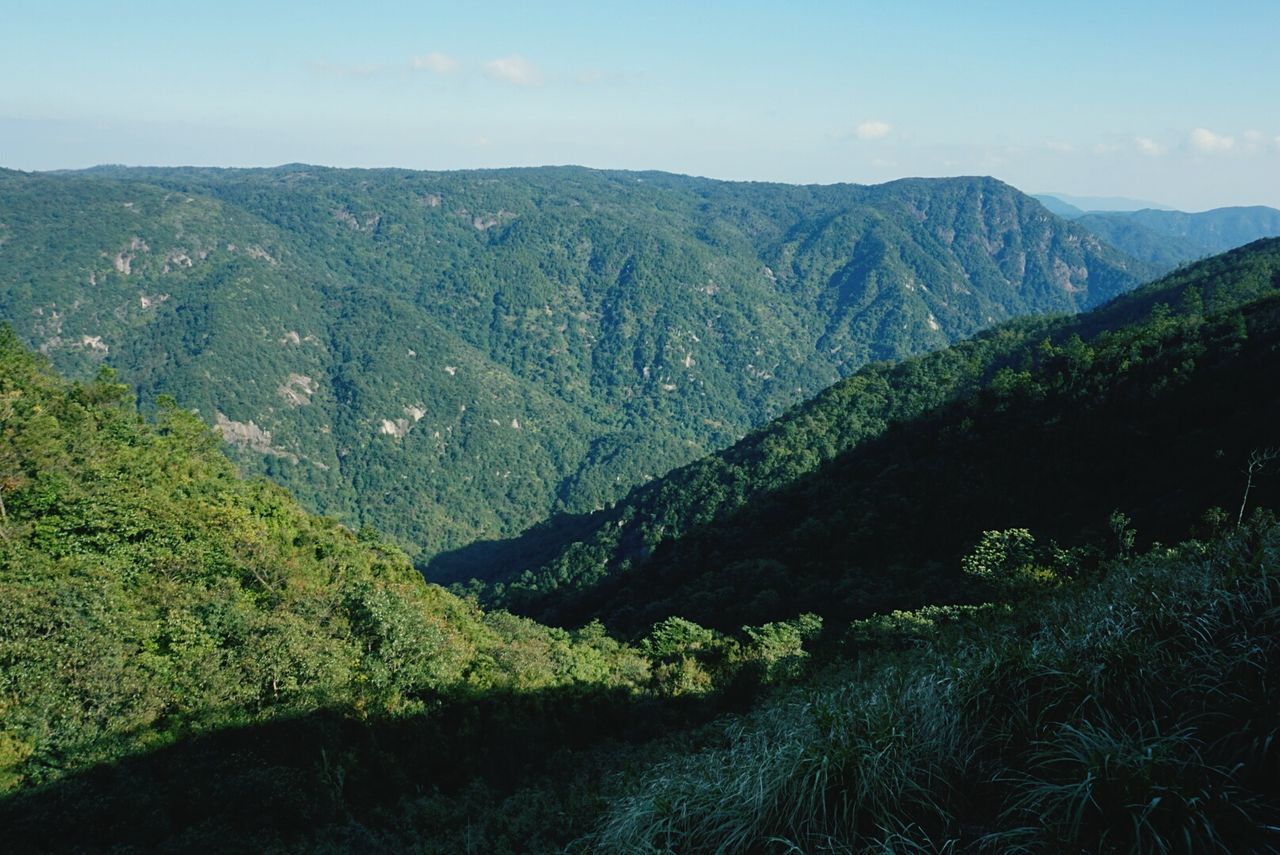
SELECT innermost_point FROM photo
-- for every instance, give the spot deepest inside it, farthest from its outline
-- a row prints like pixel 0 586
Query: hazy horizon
pixel 1171 102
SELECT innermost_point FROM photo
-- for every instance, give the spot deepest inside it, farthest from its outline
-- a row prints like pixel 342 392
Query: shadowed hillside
pixel 1138 406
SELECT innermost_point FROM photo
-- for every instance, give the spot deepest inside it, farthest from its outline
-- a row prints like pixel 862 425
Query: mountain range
pixel 1003 649
pixel 1071 206
pixel 453 357
pixel 1168 238
pixel 1035 423
pixel 1163 237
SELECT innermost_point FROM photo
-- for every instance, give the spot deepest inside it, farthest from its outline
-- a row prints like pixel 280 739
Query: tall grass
pixel 1137 713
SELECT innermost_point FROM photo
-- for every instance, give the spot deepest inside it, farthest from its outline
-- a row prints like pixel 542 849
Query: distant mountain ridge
pixel 1168 238
pixel 1055 205
pixel 1093 204
pixel 454 356
pixel 1162 236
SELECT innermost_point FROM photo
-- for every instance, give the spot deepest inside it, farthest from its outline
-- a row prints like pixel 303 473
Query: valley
pixel 454 357
pixel 729 483
pixel 640 429
pixel 190 658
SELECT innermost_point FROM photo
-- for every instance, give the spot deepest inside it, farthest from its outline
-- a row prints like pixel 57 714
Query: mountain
pixel 864 498
pixel 1055 205
pixel 148 593
pixel 188 661
pixel 1163 237
pixel 451 357
pixel 1092 204
pixel 1169 238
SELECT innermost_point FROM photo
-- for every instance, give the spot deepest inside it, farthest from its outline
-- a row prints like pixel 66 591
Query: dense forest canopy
pixel 454 356
pixel 823 509
pixel 923 609
pixel 153 600
pixel 1168 238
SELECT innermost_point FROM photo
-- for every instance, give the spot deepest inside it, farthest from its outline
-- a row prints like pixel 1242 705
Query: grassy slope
pixel 1132 713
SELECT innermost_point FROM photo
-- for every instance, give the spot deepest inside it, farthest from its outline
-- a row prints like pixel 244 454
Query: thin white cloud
pixel 1061 147
pixel 515 70
pixel 1254 141
pixel 1146 145
pixel 872 129
pixel 436 62
pixel 1203 139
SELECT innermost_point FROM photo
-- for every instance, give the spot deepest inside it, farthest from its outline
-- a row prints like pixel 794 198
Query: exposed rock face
pixel 399 428
pixel 297 389
pixel 123 262
pixel 249 435
pixel 94 343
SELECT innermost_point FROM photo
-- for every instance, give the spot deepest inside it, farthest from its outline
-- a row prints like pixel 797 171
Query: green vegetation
pixel 452 357
pixel 866 498
pixel 156 608
pixel 147 591
pixel 1169 238
pixel 1131 713
pixel 190 660
pixel 928 610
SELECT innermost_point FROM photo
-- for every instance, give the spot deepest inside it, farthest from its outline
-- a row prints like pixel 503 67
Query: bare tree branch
pixel 1258 461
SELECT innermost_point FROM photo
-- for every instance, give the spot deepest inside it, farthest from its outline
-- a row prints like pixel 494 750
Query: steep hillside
pixel 190 661
pixel 1169 238
pixel 148 593
pixel 864 498
pixel 453 356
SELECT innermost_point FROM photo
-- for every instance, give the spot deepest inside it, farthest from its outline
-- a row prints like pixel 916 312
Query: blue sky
pixel 1177 102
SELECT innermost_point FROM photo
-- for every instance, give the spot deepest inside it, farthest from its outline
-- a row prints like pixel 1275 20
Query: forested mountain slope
pixel 454 356
pixel 190 662
pixel 149 593
pixel 1169 238
pixel 864 498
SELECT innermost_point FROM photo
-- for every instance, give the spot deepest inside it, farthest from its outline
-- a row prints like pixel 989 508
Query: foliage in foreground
pixel 1137 713
pixel 148 592
pixel 188 659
